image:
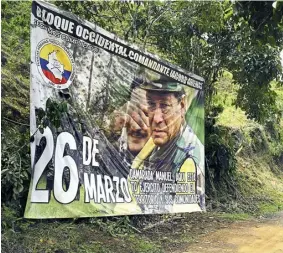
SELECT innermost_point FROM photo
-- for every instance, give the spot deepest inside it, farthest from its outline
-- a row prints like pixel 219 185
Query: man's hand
pixel 132 115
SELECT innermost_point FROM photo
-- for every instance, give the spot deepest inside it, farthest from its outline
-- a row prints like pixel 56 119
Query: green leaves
pixel 228 13
pixel 53 113
pixel 15 163
pixel 220 154
pixel 258 102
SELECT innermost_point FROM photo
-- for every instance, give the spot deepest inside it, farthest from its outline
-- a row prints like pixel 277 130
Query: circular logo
pixel 55 64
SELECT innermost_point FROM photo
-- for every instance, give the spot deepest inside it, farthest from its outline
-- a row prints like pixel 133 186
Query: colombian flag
pixel 62 57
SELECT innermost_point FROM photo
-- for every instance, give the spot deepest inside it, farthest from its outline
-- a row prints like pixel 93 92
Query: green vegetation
pixel 66 236
pixel 235 216
pixel 15 49
pixel 258 178
pixel 114 234
pixel 234 47
pixel 143 246
pixel 15 173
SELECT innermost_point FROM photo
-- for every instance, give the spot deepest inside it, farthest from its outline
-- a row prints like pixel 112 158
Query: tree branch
pixel 15 122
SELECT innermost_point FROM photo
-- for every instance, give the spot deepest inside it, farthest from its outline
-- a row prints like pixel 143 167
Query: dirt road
pixel 259 236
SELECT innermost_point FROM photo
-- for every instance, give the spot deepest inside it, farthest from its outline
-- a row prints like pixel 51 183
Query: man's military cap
pixel 156 82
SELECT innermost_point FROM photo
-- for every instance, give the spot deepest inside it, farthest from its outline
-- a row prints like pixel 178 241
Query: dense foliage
pixel 207 38
pixel 244 38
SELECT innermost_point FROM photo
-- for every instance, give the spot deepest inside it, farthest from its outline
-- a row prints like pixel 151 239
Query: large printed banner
pixel 115 130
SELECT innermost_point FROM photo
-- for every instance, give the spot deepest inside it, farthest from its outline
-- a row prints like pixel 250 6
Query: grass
pixel 235 216
pixel 144 246
pixel 260 183
pixel 268 208
pixel 233 118
pixel 67 236
pixel 259 178
pixel 226 94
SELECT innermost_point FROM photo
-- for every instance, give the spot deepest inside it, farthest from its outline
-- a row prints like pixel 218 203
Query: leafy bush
pixel 117 227
pixel 8 217
pixel 219 149
pixel 15 164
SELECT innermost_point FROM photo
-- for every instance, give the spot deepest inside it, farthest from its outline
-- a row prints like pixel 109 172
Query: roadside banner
pixel 115 130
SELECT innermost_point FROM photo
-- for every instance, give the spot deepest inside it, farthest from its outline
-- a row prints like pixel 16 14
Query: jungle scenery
pixel 234 46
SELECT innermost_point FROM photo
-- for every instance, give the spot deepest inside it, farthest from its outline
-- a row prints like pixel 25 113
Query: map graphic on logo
pixel 55 65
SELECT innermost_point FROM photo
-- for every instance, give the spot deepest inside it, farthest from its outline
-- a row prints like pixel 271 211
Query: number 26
pixel 61 161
